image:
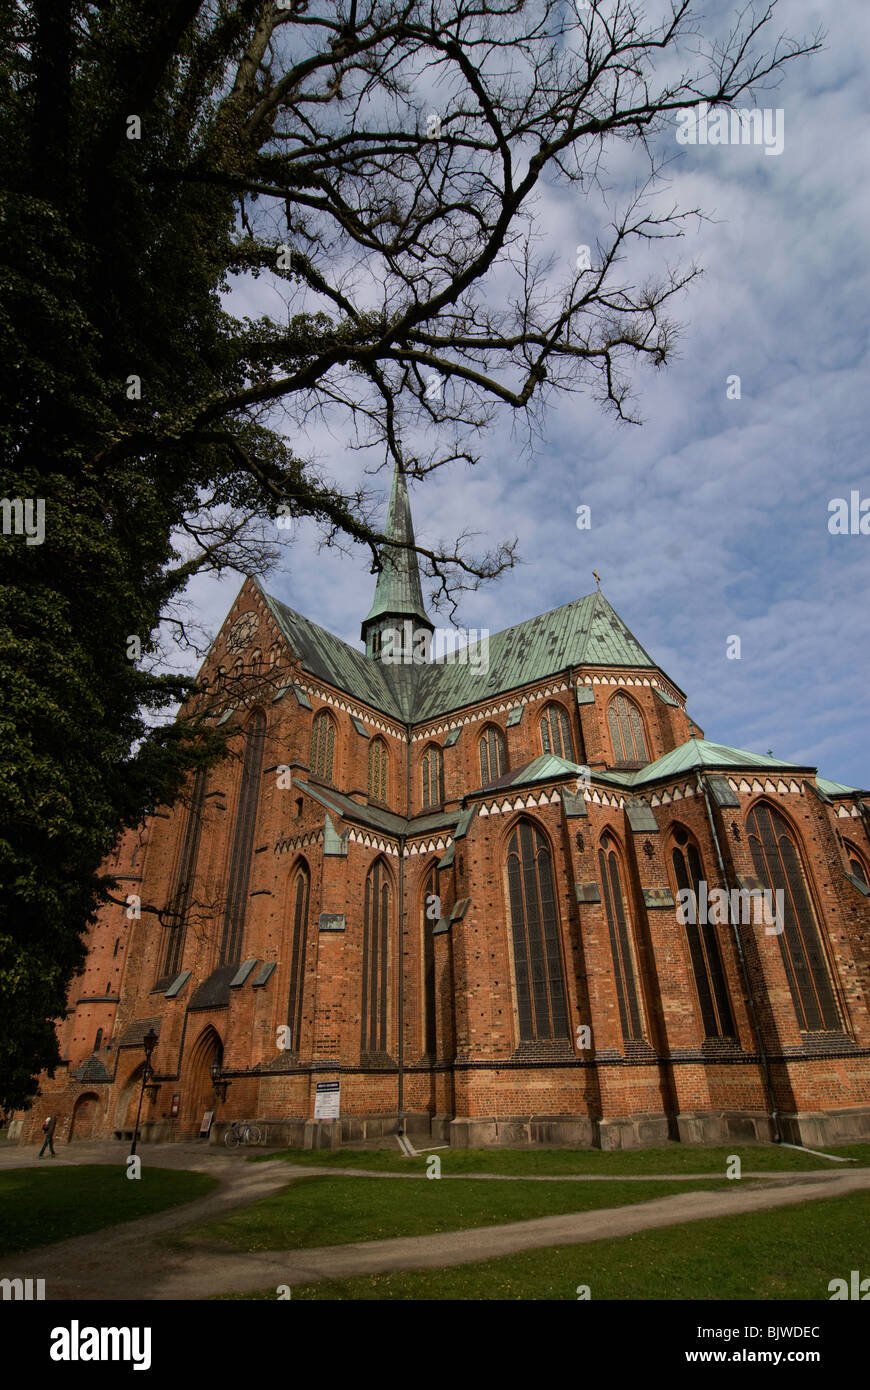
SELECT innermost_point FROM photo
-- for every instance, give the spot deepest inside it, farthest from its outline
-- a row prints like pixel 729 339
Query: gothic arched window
pixel 538 974
pixel 778 865
pixel 376 920
pixel 299 905
pixel 857 864
pixel 182 893
pixel 243 841
pixel 433 776
pixel 377 770
pixel 431 913
pixel 703 945
pixel 556 732
pixel 620 941
pixel 322 745
pixel 626 731
pixel 493 758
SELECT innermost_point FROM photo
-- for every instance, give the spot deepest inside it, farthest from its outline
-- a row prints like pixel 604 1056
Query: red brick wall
pixel 475 995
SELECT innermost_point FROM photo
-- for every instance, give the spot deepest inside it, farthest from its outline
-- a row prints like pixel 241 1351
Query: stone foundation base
pixel 356 1128
pixel 440 1128
pixel 632 1132
pixel 722 1128
pixel 815 1129
pixel 552 1131
pixel 812 1129
pixel 561 1132
pixel 350 1129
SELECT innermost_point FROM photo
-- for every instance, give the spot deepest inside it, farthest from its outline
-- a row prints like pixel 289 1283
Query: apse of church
pixel 505 895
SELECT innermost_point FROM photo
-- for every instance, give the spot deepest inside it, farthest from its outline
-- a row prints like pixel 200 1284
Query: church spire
pixel 398 602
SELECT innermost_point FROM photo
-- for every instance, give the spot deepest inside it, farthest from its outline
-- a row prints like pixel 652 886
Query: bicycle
pixel 239 1133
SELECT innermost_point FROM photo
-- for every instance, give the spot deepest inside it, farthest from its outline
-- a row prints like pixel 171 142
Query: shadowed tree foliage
pixel 375 165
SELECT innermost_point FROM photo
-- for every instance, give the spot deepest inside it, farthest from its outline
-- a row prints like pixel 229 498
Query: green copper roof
pixel 585 632
pixel 697 753
pixel 541 769
pixel 398 592
pixel 328 657
pixel 376 817
pixel 835 788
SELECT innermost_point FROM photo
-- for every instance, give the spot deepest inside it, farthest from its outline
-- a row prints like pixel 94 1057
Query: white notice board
pixel 327 1100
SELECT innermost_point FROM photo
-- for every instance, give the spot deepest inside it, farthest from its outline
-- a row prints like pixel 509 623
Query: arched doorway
pixel 84 1118
pixel 128 1103
pixel 197 1087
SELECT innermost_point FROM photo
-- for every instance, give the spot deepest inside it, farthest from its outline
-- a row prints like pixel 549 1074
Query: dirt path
pixel 125 1262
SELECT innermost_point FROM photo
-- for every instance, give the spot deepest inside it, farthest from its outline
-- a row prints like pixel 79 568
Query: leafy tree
pixel 376 162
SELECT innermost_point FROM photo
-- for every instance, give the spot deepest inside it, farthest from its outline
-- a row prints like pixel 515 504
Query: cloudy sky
pixel 711 519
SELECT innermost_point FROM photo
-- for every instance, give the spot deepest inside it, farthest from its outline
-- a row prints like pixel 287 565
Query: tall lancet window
pixel 376 922
pixel 540 986
pixel 299 907
pixel 432 767
pixel 493 759
pixel 377 771
pixel 626 731
pixel 182 896
pixel 701 936
pixel 431 903
pixel 323 745
pixel 243 841
pixel 620 942
pixel 556 733
pixel 777 861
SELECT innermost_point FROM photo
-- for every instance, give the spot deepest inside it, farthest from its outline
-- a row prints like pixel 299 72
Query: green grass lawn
pixel 672 1158
pixel 789 1253
pixel 341 1211
pixel 43 1205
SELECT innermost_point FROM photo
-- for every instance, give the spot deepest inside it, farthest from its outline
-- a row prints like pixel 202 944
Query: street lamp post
pixel 220 1085
pixel 149 1042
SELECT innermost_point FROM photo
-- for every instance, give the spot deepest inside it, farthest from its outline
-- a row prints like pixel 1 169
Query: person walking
pixel 48 1128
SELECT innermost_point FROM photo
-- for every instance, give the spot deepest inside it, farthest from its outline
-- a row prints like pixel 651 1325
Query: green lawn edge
pixel 671 1158
pixel 41 1206
pixel 785 1253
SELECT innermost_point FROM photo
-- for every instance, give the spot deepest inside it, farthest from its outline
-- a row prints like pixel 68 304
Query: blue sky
pixel 711 519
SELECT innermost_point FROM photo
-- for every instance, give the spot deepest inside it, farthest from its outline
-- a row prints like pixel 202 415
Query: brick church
pixel 446 895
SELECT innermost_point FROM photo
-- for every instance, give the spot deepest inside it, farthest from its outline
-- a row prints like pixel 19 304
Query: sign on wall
pixel 206 1122
pixel 327 1100
pixel 175 1104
